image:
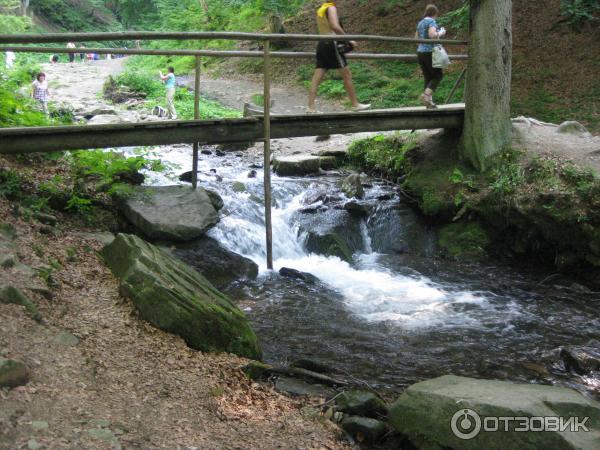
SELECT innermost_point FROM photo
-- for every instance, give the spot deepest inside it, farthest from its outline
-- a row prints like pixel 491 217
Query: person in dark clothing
pixel 429 29
pixel 329 57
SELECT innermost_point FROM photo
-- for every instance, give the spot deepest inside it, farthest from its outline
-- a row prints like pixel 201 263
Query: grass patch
pixel 387 84
pixel 142 81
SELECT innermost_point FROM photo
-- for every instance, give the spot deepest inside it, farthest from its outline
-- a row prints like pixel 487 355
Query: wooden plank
pixel 215 53
pixel 47 139
pixel 206 35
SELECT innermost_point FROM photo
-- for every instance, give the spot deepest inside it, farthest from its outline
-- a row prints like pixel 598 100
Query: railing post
pixel 267 151
pixel 196 117
pixel 455 87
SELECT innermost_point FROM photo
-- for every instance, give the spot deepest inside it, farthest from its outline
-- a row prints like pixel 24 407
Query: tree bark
pixel 487 126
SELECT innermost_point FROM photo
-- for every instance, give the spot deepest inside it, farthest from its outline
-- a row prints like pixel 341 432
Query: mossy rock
pixel 330 244
pixel 352 186
pixel 238 187
pixel 464 240
pixel 177 299
pixel 10 294
pixel 424 413
pixel 365 430
pixel 257 371
pixel 13 373
pixel 361 403
pixel 297 165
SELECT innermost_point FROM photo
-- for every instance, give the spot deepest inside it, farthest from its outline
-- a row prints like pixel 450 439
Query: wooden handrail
pixel 206 35
pixel 211 53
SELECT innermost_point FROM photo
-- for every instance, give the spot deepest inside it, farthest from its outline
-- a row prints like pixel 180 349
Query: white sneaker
pixel 428 101
pixel 361 107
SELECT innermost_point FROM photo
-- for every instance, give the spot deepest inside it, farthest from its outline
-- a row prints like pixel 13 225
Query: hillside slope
pixel 555 68
pixel 73 15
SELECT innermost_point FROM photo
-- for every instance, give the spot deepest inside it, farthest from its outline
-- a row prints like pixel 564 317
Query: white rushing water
pixel 369 290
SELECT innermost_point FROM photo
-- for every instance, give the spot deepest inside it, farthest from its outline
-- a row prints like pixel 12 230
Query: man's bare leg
pixel 314 87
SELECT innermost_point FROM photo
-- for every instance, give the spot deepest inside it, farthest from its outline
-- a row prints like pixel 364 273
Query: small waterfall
pixel 369 290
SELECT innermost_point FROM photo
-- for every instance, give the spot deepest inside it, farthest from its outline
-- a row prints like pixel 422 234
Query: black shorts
pixel 329 57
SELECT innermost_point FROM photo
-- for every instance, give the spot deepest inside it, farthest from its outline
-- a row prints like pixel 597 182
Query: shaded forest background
pixel 556 51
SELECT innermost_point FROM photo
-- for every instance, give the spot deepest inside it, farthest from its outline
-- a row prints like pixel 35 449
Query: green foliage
pixel 457 19
pixel 11 184
pixel 142 82
pixel 108 166
pixel 82 15
pixel 578 12
pixel 79 204
pixel 14 24
pixel 384 155
pixel 506 174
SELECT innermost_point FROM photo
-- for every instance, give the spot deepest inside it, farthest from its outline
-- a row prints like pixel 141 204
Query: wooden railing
pixel 8 41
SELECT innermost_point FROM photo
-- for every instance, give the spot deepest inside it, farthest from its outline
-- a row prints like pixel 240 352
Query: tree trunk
pixel 487 127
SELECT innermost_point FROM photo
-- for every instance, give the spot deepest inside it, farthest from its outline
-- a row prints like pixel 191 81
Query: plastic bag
pixel 441 60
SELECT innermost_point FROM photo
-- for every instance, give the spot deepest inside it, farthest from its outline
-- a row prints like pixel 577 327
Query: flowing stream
pixel 396 314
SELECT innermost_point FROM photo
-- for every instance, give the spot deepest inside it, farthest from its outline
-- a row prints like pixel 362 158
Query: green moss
pixel 464 240
pixel 385 155
pixel 255 370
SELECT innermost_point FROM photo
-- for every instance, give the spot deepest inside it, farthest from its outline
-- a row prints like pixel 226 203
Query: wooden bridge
pixel 48 139
pixel 196 132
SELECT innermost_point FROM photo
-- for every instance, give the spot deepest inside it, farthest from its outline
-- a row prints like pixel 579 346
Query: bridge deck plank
pixel 47 139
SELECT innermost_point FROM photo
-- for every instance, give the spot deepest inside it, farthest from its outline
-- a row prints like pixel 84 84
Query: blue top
pixel 423 31
pixel 170 81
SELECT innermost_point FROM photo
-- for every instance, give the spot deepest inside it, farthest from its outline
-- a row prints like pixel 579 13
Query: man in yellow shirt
pixel 329 57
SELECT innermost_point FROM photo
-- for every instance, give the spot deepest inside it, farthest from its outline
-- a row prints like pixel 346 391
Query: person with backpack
pixel 169 80
pixel 428 29
pixel 330 56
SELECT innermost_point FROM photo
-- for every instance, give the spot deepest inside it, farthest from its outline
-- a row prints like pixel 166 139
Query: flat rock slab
pixel 426 410
pixel 174 213
pixel 297 165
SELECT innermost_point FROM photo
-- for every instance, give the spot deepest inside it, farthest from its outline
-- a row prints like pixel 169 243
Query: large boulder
pixel 428 411
pixel 219 265
pixel 332 232
pixel 176 298
pixel 296 165
pixel 175 213
pixel 396 229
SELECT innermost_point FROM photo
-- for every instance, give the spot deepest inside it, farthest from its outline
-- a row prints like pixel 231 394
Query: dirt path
pixel 80 87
